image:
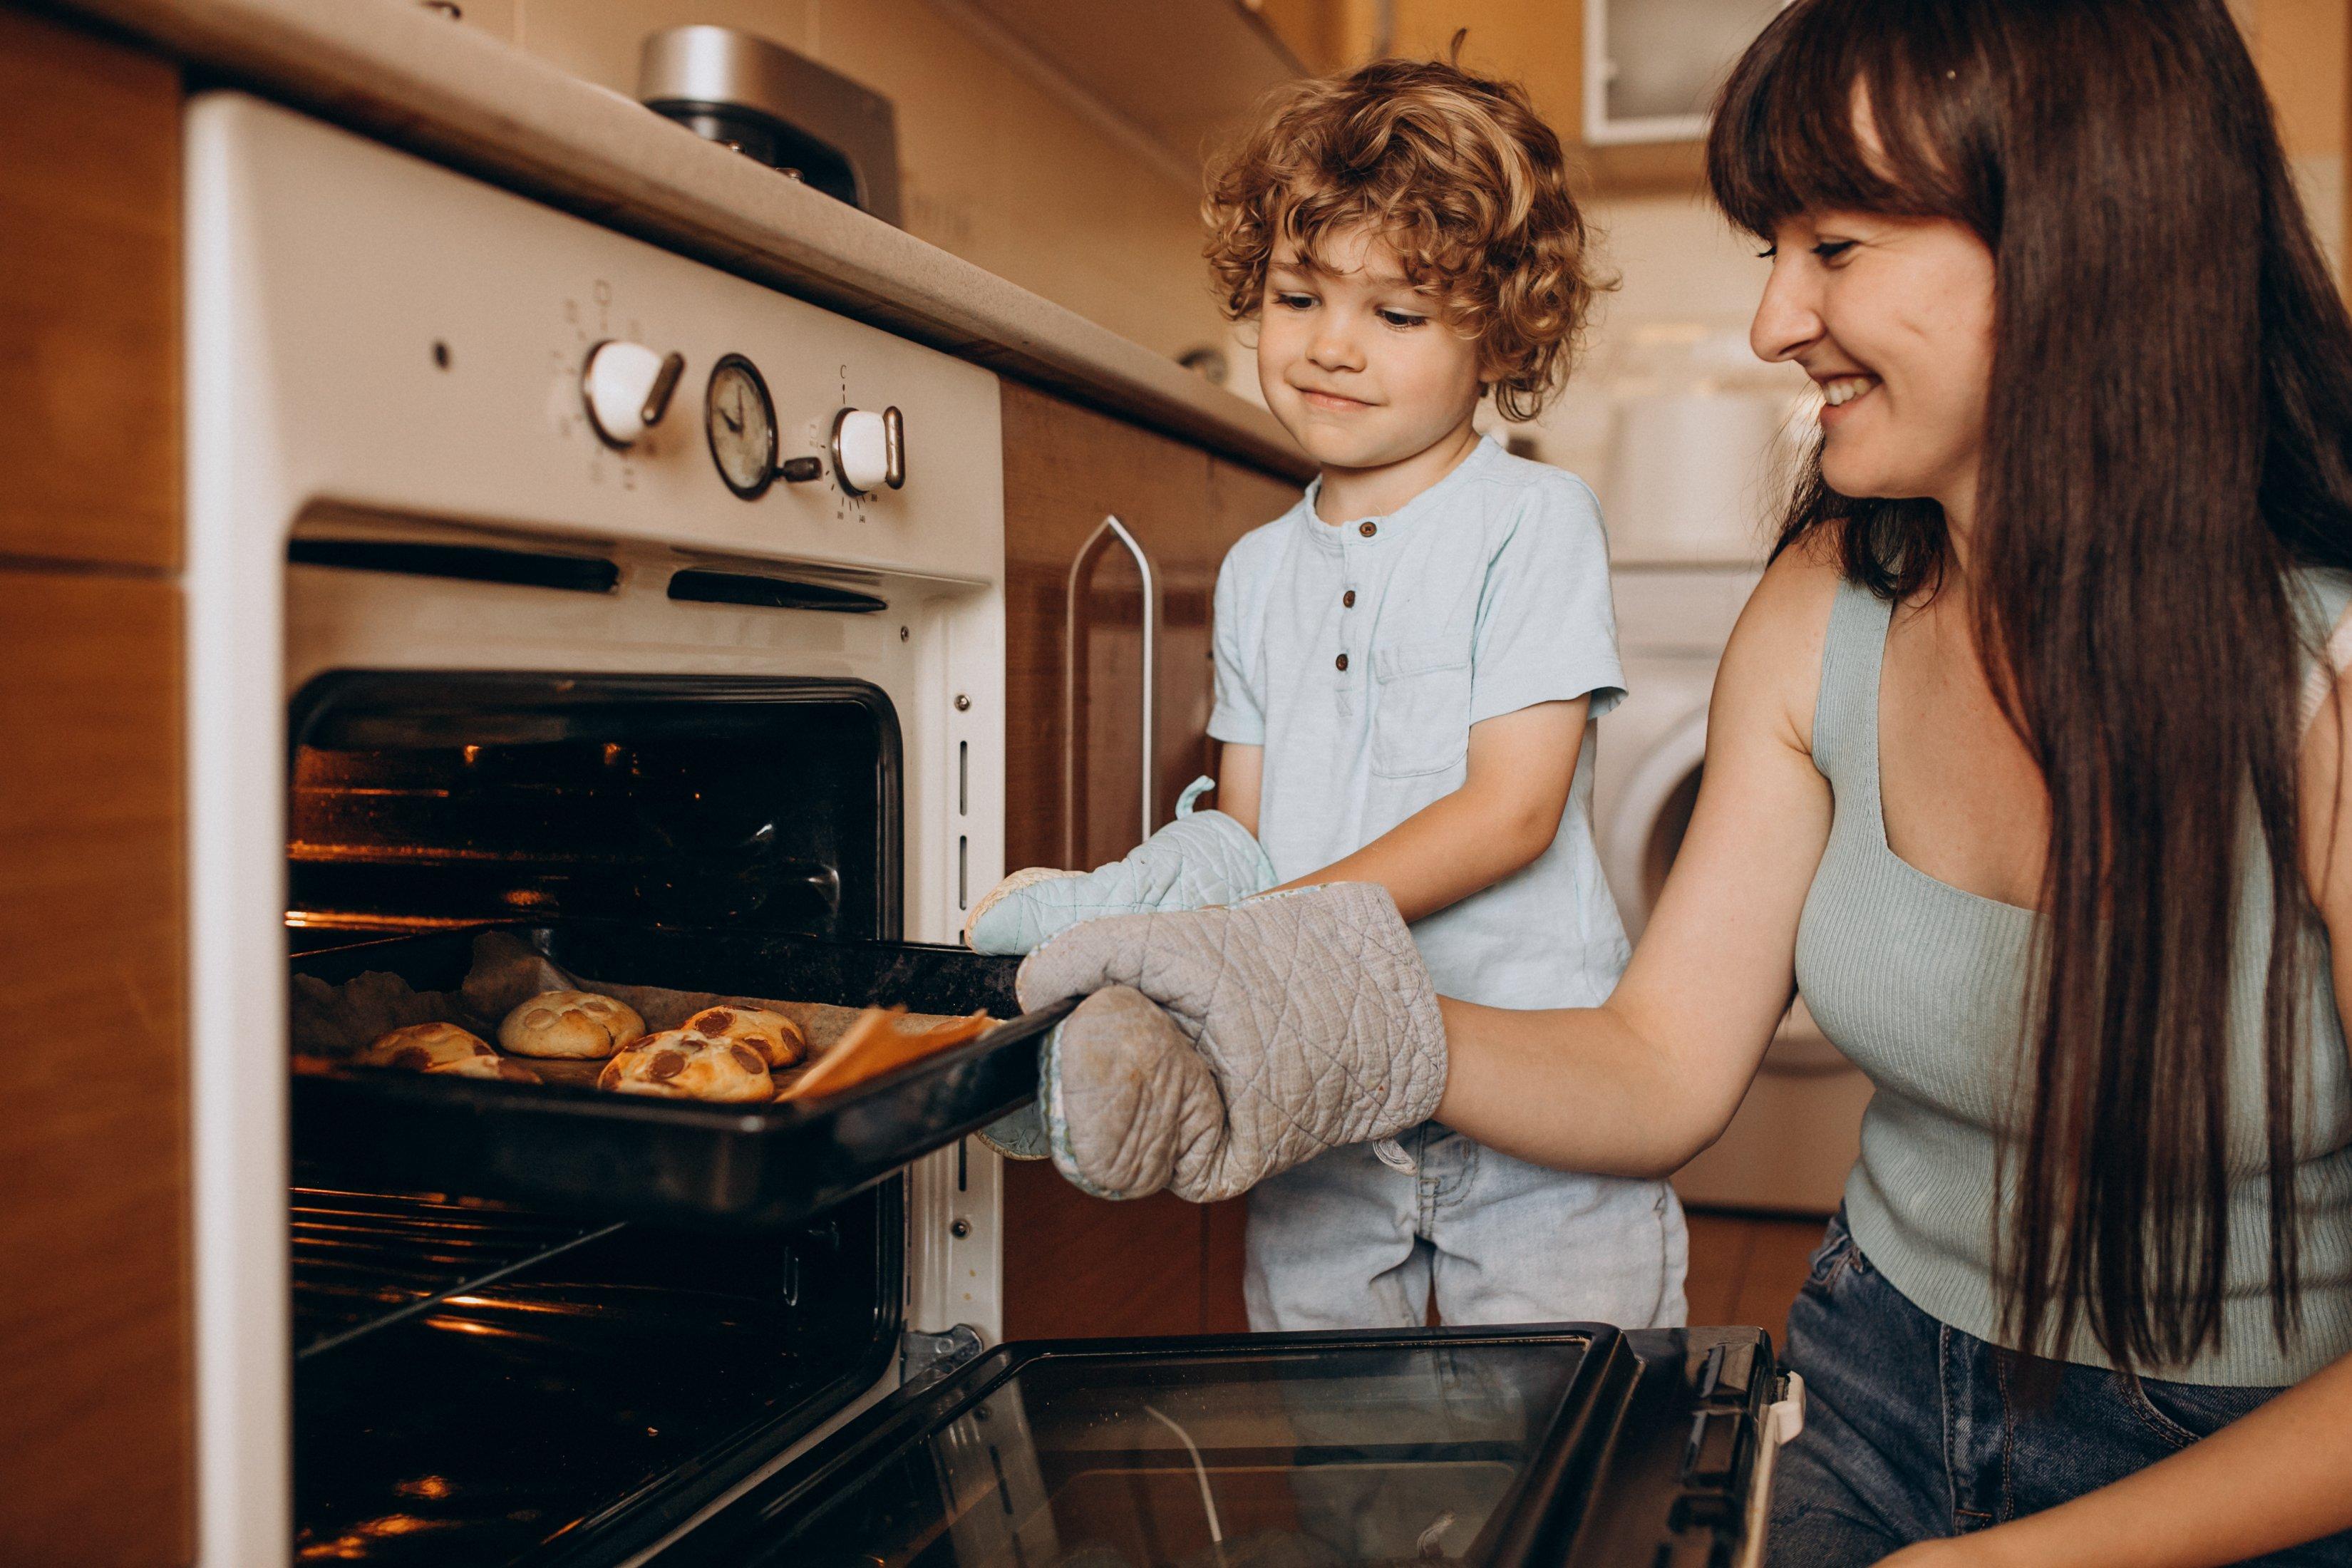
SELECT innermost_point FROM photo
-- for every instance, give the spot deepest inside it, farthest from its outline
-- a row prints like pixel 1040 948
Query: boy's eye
pixel 1768 253
pixel 1402 318
pixel 1295 302
pixel 1829 251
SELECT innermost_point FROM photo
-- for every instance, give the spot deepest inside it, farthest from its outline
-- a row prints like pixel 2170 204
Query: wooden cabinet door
pixel 96 1393
pixel 1076 609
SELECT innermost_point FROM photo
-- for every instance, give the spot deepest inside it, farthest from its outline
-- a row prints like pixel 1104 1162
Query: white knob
pixel 869 451
pixel 627 387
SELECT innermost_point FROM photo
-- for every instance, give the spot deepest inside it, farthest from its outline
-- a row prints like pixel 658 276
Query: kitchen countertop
pixel 398 72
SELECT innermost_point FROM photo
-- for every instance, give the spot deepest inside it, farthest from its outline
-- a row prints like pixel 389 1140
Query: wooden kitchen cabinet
pixel 89 265
pixel 96 1396
pixel 1076 619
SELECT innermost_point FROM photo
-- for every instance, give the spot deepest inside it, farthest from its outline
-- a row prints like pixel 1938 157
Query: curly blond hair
pixel 1456 171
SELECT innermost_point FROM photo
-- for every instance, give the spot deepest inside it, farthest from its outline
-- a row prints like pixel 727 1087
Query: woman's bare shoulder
pixel 1772 667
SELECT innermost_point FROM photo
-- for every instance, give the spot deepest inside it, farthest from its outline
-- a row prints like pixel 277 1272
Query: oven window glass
pixel 1341 1456
pixel 427 798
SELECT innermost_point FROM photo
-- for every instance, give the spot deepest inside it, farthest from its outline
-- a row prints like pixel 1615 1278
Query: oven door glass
pixel 1554 1444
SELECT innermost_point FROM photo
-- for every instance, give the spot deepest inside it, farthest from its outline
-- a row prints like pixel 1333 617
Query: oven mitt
pixel 1216 1048
pixel 1201 859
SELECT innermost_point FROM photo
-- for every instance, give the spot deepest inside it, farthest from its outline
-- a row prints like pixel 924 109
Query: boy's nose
pixel 1330 350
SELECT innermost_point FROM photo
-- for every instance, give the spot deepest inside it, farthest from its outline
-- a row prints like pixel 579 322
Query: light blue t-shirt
pixel 1359 654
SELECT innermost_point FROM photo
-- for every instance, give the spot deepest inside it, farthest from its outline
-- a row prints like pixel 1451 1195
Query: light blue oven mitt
pixel 1202 859
pixel 1216 1048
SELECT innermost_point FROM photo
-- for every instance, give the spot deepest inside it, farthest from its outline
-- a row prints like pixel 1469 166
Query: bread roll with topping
pixel 679 1065
pixel 442 1049
pixel 575 1025
pixel 779 1040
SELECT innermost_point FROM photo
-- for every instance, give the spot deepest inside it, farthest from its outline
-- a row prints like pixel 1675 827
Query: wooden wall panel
pixel 95 1391
pixel 89 260
pixel 1077 1266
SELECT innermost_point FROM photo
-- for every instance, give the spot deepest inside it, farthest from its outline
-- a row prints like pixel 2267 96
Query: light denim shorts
pixel 1367 1235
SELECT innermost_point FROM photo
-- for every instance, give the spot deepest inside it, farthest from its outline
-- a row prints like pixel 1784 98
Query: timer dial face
pixel 740 420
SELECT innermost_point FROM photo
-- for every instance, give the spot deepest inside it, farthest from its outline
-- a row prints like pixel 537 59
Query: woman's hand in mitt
pixel 1285 1025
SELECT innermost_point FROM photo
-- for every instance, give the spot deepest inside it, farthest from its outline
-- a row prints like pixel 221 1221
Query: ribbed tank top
pixel 1921 984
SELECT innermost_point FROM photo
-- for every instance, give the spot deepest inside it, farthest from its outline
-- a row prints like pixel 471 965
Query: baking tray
pixel 556 1145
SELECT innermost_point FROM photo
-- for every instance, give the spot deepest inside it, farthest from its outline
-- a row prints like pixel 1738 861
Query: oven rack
pixel 363 1261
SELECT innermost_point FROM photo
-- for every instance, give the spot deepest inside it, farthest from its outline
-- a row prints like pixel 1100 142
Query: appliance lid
pixel 1562 1444
pixel 778 106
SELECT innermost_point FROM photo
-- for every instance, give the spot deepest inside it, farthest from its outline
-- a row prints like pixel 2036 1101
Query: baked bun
pixel 579 1025
pixel 442 1049
pixel 779 1040
pixel 679 1065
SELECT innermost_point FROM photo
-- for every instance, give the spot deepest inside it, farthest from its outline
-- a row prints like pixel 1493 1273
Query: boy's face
pixel 1361 367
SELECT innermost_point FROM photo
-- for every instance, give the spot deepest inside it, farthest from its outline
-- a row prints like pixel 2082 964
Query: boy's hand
pixel 1284 1027
pixel 1202 857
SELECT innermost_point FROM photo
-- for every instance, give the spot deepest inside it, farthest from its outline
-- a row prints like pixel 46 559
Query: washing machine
pixel 1798 1132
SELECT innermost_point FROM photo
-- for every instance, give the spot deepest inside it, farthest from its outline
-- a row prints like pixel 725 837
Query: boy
pixel 1408 664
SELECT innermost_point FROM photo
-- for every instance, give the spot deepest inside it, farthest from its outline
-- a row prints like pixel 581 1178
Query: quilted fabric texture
pixel 1219 1046
pixel 1202 857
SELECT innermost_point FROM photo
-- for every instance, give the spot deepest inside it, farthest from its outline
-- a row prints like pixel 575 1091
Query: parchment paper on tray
pixel 338 1021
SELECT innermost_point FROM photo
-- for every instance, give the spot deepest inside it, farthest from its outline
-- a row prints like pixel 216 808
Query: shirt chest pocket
pixel 1421 716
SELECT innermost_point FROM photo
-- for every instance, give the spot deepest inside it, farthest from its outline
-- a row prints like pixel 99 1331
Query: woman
pixel 2007 774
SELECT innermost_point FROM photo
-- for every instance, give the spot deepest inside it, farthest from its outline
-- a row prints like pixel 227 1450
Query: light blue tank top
pixel 1921 984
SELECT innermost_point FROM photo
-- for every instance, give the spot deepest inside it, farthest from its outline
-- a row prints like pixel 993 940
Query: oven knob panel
pixel 869 451
pixel 627 387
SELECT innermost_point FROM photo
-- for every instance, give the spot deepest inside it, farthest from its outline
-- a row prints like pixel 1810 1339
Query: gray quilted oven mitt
pixel 1216 1048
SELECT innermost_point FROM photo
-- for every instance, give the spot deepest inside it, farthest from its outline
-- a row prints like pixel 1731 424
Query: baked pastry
pixel 579 1025
pixel 779 1040
pixel 442 1049
pixel 680 1065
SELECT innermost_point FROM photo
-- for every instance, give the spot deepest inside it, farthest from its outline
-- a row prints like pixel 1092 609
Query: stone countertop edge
pixel 417 80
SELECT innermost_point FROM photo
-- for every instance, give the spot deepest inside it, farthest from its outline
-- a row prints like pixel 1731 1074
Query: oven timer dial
pixel 739 418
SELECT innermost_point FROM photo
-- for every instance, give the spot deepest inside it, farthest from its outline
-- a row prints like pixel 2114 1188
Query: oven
pixel 562 612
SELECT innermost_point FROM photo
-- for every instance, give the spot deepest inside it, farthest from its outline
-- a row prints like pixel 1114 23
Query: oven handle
pixel 1109 528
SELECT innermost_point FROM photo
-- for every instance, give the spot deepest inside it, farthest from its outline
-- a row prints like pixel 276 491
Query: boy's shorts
pixel 1350 1240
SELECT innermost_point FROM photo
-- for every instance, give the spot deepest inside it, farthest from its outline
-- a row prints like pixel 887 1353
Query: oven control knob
pixel 869 451
pixel 626 387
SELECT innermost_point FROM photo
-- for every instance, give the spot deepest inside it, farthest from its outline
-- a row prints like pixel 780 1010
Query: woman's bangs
pixel 1774 152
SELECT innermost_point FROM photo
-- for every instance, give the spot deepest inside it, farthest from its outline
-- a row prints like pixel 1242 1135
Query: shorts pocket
pixel 2187 1413
pixel 1421 718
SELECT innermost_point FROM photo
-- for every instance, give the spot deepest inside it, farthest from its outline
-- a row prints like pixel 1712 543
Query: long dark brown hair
pixel 2167 434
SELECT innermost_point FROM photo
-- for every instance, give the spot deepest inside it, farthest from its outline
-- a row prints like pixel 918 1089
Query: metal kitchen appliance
pixel 777 106
pixel 552 594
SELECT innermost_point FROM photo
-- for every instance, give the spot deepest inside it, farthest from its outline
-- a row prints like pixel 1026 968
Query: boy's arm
pixel 1506 814
pixel 1240 771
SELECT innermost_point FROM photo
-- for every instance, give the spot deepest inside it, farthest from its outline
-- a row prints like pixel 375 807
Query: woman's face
pixel 1892 318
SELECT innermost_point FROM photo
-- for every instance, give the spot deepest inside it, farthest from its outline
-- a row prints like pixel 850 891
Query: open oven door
pixel 1562 1444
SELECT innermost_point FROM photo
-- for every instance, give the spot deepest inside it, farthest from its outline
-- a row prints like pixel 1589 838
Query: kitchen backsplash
pixel 994 167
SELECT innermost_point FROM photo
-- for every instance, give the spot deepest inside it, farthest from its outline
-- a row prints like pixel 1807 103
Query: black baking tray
pixel 555 1145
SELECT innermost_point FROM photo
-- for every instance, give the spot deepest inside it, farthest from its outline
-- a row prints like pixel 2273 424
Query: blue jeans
pixel 1915 1430
pixel 1352 1240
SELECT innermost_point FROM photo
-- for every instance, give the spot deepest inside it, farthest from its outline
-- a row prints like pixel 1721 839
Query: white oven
pixel 554 599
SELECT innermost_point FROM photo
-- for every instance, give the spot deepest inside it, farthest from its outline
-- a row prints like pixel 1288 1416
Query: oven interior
pixel 483 1382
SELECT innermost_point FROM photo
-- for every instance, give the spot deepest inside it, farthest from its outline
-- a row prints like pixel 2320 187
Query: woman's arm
pixel 1639 1085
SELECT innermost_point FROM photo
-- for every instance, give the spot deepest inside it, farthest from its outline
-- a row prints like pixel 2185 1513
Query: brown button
pixel 1343 661
pixel 1347 600
pixel 1368 529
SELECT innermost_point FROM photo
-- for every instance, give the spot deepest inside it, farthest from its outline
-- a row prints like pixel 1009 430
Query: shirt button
pixel 1343 661
pixel 1347 600
pixel 1368 529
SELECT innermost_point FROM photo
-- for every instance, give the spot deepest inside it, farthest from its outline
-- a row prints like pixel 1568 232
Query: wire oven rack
pixel 363 1261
